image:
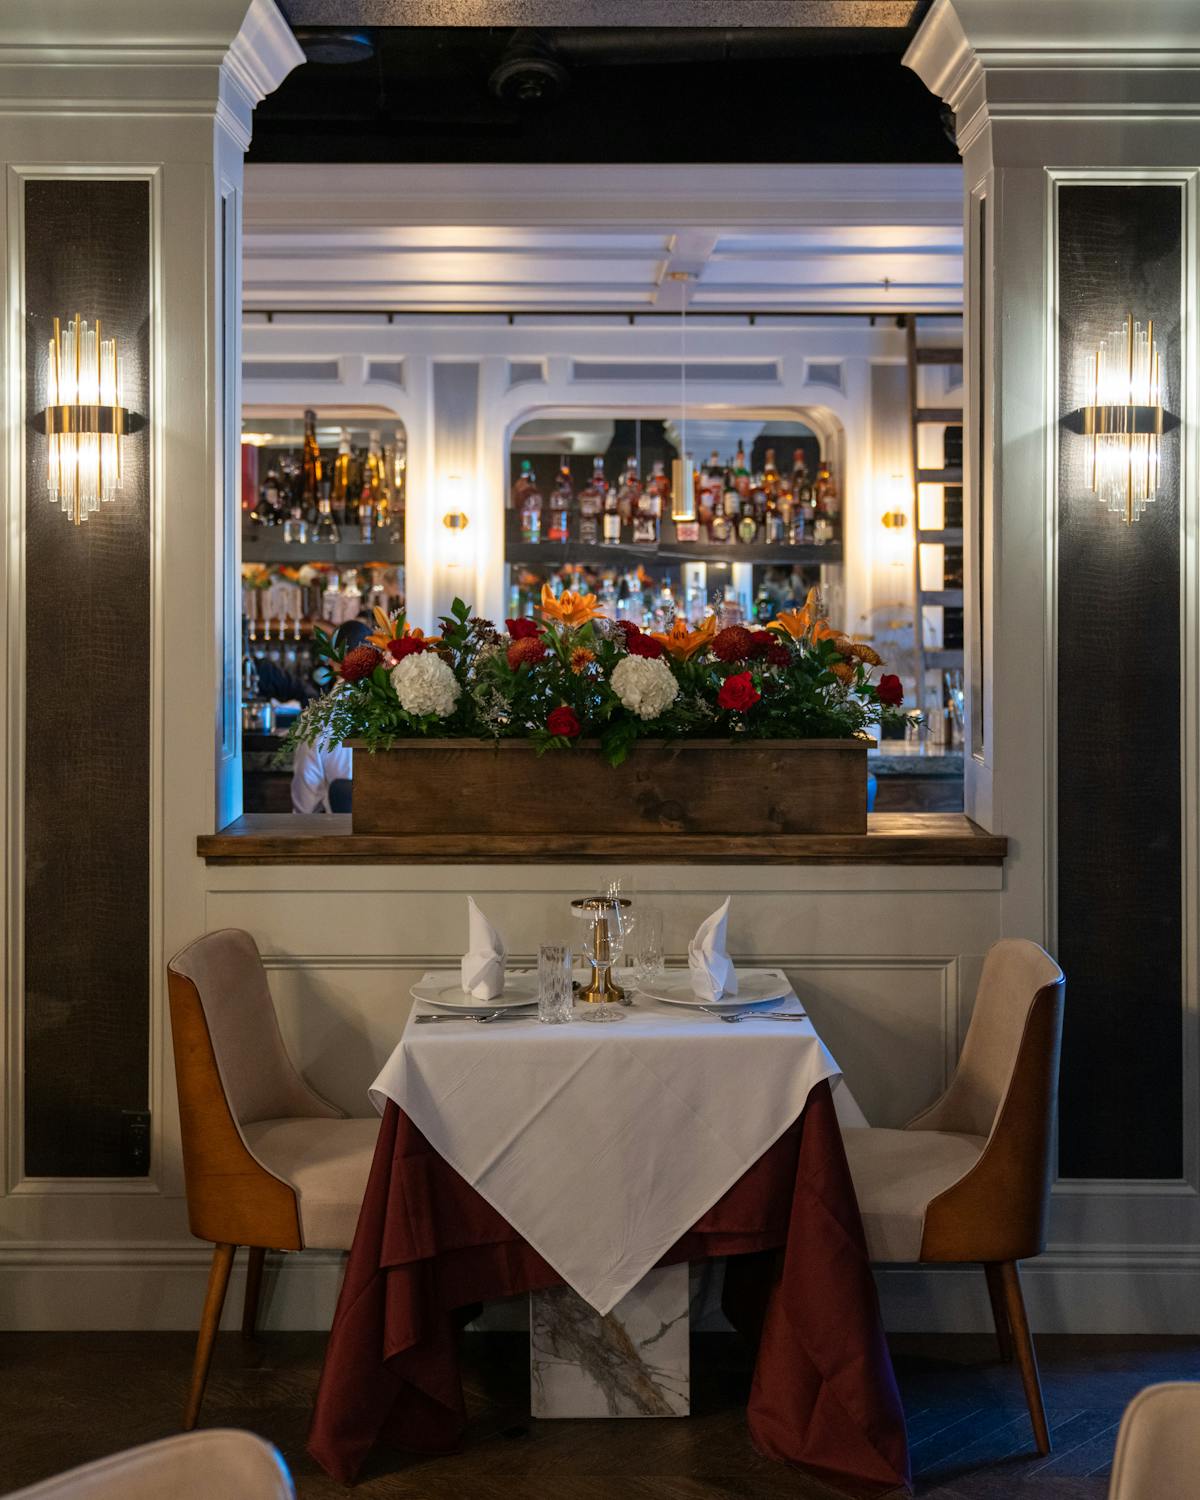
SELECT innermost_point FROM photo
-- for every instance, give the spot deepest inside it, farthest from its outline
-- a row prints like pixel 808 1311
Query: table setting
pixel 526 1149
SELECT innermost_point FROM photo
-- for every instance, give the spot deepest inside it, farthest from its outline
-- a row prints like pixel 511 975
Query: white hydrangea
pixel 425 684
pixel 645 685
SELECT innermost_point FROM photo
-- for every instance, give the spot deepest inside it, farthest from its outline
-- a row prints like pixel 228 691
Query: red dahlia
pixel 734 643
pixel 628 629
pixel 563 721
pixel 406 645
pixel 523 630
pixel 777 654
pixel 530 649
pixel 359 663
pixel 761 642
pixel 644 645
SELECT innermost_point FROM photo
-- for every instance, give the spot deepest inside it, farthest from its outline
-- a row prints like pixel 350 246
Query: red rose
pixel 738 692
pixel 359 663
pixel 563 721
pixel 734 643
pixel 644 645
pixel 761 642
pixel 523 630
pixel 778 655
pixel 406 645
pixel 530 649
pixel 890 690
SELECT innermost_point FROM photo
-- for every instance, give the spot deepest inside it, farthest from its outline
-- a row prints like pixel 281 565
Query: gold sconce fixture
pixel 1123 418
pixel 894 520
pixel 85 420
pixel 456 520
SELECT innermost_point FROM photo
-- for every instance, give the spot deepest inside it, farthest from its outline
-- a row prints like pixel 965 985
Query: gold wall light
pixel 1123 418
pixel 894 520
pixel 84 418
pixel 456 520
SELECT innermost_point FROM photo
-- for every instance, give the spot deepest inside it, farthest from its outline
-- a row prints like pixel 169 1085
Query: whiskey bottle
pixel 342 477
pixel 721 529
pixel 310 466
pixel 561 497
pixel 773 526
pixel 327 530
pixel 374 480
pixel 647 507
pixel 591 499
pixel 531 506
pixel 747 526
pixel 611 521
pixel 525 482
pixel 629 492
pixel 366 514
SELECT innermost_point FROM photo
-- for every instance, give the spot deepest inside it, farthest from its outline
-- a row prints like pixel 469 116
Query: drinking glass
pixel 644 944
pixel 555 998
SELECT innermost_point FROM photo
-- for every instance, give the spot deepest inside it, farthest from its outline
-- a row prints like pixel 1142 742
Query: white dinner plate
pixel 446 994
pixel 754 987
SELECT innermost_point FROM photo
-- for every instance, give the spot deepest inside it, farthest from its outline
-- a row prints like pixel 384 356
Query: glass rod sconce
pixel 84 419
pixel 1123 418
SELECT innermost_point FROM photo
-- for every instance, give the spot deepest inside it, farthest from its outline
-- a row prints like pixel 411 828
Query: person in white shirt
pixel 314 771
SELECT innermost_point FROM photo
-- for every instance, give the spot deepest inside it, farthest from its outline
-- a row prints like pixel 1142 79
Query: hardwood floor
pixel 68 1398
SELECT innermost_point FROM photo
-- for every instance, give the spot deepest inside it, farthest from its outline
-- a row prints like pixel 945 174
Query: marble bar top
pixel 328 839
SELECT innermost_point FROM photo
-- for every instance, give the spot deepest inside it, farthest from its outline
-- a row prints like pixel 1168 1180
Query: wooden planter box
pixel 504 789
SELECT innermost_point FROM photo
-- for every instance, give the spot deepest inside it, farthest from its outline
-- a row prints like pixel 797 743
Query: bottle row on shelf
pixel 318 592
pixel 720 503
pixel 309 500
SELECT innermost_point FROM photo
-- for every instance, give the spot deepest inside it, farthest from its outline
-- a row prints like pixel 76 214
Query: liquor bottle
pixel 310 466
pixel 366 514
pixel 531 506
pixel 721 529
pixel 591 499
pixel 647 508
pixel 269 511
pixel 799 469
pixel 740 466
pixel 770 474
pixel 747 526
pixel 629 493
pixel 295 527
pixel 327 530
pixel 711 487
pixel 525 482
pixel 611 521
pixel 374 480
pixel 561 497
pixel 342 477
pixel 773 525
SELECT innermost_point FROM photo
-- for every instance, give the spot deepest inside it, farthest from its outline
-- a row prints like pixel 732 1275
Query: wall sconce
pixel 1123 418
pixel 84 419
pixel 894 520
pixel 456 520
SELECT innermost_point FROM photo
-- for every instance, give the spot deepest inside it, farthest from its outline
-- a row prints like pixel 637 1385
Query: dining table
pixel 515 1157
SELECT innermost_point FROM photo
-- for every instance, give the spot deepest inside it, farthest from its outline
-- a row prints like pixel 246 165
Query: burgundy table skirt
pixel 823 1394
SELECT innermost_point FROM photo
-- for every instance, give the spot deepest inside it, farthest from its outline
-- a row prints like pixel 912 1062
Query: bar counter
pixel 321 839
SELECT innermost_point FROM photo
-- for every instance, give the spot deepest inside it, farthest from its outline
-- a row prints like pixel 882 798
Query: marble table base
pixel 632 1363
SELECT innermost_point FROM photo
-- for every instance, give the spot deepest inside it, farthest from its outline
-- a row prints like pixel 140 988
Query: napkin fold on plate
pixel 711 968
pixel 483 962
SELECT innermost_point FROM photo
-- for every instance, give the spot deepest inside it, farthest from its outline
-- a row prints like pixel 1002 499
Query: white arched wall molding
pixel 841 417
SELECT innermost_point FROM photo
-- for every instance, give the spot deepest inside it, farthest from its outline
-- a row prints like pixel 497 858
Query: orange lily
pixel 393 628
pixel 570 609
pixel 799 622
pixel 682 643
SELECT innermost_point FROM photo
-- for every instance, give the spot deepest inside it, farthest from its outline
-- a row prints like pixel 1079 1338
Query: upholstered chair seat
pixel 193 1466
pixel 1158 1444
pixel 969 1178
pixel 267 1162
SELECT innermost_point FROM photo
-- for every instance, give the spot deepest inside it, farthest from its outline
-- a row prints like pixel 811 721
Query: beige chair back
pixel 1015 973
pixel 1158 1445
pixel 257 1075
pixel 193 1466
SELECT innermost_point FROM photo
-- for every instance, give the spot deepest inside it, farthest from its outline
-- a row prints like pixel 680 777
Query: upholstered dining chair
pixel 192 1466
pixel 1158 1444
pixel 969 1178
pixel 267 1162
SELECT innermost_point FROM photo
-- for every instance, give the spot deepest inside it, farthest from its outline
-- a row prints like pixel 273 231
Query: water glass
pixel 555 995
pixel 644 944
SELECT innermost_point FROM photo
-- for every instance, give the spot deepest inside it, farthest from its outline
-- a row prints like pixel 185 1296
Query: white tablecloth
pixel 603 1144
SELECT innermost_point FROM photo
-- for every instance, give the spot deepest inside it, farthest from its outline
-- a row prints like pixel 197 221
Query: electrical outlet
pixel 135 1142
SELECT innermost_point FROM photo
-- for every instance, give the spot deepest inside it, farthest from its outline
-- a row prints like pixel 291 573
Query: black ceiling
pixel 578 94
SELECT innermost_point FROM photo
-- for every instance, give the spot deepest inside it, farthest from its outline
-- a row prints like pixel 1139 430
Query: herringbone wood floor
pixel 67 1398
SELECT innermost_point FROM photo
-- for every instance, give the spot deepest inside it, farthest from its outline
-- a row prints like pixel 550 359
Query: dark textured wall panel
pixel 1119 837
pixel 87 710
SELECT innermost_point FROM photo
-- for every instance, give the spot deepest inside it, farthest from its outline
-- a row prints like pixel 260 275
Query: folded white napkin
pixel 711 967
pixel 483 962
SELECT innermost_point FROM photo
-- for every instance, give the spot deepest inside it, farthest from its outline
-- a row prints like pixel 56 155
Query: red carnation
pixel 406 645
pixel 738 692
pixel 562 721
pixel 761 642
pixel 530 649
pixel 644 645
pixel 359 663
pixel 734 643
pixel 890 690
pixel 777 654
pixel 523 630
pixel 628 629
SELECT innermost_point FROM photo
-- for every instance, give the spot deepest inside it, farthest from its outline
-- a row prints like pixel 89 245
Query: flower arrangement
pixel 572 673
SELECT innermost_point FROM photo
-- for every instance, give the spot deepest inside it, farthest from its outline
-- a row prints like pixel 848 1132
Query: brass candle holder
pixel 602 989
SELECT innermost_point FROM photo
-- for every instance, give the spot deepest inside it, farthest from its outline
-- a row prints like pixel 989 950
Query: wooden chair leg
pixel 1026 1358
pixel 254 1276
pixel 210 1320
pixel 995 1286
